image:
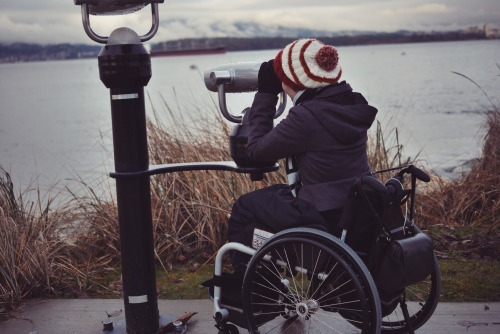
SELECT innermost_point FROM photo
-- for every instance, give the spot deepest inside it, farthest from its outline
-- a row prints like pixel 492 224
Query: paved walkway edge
pixel 85 316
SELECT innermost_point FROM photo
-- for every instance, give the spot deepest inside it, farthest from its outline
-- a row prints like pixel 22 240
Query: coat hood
pixel 345 114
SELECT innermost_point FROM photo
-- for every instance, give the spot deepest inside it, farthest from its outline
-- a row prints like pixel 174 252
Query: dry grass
pixel 473 199
pixel 48 250
pixel 190 209
pixel 468 209
pixel 385 151
pixel 66 250
pixel 464 214
pixel 30 255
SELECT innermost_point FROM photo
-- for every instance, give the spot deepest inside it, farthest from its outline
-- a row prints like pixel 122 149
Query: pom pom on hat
pixel 308 63
pixel 327 58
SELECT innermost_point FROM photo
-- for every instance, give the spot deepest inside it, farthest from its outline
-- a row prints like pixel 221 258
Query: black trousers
pixel 274 209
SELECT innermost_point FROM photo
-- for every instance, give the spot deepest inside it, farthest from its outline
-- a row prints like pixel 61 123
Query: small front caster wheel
pixel 229 329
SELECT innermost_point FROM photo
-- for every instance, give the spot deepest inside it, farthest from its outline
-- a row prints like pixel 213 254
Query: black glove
pixel 268 80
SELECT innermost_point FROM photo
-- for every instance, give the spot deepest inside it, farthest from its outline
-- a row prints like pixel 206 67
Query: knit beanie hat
pixel 307 63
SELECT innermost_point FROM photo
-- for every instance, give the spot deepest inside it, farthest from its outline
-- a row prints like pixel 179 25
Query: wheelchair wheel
pixel 421 299
pixel 306 281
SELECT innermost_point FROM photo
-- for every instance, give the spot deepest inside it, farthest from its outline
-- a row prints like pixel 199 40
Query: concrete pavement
pixel 85 316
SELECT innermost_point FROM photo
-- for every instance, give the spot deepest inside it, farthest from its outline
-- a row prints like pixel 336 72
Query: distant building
pixel 476 30
pixel 486 30
pixel 492 32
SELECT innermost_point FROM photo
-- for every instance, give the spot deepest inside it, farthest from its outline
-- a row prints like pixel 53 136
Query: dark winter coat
pixel 327 133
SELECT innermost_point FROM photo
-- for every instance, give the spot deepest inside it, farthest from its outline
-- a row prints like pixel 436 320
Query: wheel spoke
pixel 306 285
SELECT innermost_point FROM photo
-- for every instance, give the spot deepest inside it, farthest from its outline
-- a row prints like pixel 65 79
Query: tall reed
pixel 384 149
pixel 31 261
pixel 474 198
pixel 190 209
pixel 50 251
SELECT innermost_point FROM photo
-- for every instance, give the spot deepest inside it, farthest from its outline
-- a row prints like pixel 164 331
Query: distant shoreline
pixel 27 52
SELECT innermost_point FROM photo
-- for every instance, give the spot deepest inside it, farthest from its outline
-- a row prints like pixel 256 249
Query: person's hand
pixel 268 80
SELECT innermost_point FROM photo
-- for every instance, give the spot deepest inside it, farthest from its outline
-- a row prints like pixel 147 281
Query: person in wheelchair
pixel 303 278
pixel 323 139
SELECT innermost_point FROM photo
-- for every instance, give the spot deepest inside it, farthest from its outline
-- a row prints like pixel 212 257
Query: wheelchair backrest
pixel 365 206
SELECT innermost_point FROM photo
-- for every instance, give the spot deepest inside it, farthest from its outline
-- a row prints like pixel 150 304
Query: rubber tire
pixel 420 315
pixel 325 243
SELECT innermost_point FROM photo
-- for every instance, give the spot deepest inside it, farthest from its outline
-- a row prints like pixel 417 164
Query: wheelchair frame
pixel 371 321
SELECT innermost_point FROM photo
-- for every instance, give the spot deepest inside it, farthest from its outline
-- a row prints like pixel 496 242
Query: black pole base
pixel 120 327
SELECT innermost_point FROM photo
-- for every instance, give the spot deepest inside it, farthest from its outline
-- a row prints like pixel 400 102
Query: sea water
pixel 55 119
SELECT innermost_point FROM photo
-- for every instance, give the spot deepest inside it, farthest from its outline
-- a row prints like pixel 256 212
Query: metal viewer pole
pixel 125 68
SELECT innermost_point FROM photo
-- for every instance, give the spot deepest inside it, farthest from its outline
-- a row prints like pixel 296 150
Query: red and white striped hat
pixel 307 63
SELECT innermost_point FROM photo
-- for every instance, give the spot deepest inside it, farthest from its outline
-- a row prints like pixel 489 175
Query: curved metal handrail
pixel 229 166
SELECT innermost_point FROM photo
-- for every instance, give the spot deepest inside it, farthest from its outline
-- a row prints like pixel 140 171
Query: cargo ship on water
pixel 187 51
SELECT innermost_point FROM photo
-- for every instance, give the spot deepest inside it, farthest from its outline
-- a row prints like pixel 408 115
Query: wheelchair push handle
pixel 397 193
pixel 415 172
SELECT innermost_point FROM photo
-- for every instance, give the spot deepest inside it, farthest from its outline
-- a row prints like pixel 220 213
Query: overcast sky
pixel 59 21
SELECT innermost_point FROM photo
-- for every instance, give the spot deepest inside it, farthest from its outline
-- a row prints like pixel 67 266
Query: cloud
pixel 43 30
pixel 55 21
pixel 426 9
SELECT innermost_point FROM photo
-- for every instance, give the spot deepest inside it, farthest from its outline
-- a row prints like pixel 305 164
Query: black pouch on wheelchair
pixel 397 258
pixel 406 261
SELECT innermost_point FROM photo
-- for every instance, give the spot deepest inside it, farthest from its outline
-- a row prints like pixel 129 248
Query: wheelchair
pixel 303 279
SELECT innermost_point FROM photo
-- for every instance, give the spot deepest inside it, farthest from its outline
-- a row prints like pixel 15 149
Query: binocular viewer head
pixel 117 7
pixel 239 78
pixel 236 78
